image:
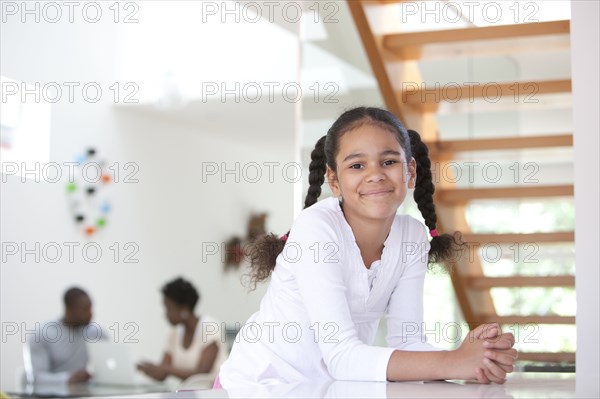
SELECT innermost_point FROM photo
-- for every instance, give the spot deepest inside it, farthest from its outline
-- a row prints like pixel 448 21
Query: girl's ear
pixel 412 173
pixel 333 182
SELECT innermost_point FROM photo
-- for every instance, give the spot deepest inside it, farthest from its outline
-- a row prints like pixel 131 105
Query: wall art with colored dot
pixel 88 189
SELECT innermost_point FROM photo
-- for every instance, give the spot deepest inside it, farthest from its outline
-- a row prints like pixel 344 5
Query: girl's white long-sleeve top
pixel 320 314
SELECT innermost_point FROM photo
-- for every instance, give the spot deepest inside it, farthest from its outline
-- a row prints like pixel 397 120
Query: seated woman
pixel 193 346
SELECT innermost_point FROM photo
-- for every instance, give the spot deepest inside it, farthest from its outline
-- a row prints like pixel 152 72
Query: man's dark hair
pixel 72 295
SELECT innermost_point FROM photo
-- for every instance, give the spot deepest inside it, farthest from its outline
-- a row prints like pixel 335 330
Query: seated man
pixel 58 354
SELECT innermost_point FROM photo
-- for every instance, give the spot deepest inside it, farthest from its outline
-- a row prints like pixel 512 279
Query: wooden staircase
pixel 393 60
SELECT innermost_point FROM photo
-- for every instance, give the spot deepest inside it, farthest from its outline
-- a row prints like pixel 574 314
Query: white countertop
pixel 518 385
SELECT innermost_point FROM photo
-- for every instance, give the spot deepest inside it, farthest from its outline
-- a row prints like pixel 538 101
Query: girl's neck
pixel 370 236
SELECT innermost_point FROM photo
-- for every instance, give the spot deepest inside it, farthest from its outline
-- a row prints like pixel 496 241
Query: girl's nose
pixel 375 174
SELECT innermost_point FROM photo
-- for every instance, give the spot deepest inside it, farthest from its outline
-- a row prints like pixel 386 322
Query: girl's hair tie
pixel 434 233
pixel 283 237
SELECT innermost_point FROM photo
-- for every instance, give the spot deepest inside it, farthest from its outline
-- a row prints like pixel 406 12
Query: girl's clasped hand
pixel 490 351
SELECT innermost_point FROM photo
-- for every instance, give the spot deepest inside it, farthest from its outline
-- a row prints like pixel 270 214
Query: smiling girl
pixel 348 261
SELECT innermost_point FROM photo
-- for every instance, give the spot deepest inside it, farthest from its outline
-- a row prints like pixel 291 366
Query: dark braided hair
pixel 317 170
pixel 444 247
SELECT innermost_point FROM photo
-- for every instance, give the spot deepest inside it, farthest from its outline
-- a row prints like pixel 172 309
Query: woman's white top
pixel 204 335
pixel 319 316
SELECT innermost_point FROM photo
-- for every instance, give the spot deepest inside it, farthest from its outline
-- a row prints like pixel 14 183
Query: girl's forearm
pixel 420 366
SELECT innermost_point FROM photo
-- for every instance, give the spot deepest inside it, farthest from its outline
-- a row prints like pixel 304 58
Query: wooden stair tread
pixel 528 319
pixel 427 99
pixel 408 45
pixel 511 238
pixel 520 281
pixel 533 319
pixel 482 48
pixel 461 195
pixel 500 143
pixel 549 357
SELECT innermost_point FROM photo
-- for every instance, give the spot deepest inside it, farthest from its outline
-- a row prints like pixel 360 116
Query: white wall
pixel 585 64
pixel 170 212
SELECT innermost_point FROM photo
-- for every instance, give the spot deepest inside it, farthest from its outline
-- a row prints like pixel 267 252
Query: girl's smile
pixel 377 193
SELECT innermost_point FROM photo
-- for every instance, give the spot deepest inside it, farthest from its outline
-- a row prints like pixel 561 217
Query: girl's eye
pixel 355 166
pixel 389 162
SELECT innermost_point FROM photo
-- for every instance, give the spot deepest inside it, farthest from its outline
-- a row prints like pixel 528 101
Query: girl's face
pixel 373 175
